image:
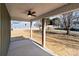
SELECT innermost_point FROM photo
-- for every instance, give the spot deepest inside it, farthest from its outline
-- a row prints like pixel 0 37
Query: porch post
pixel 43 32
pixel 31 29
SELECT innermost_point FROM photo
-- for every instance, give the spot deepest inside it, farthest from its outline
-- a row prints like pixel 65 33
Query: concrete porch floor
pixel 26 47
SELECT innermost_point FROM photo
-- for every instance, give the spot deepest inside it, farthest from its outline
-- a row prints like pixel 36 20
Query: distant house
pixel 75 21
pixel 75 24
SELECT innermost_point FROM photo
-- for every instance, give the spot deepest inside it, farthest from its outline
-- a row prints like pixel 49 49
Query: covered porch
pixel 26 46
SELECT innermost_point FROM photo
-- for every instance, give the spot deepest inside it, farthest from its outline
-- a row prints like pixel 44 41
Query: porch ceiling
pixel 16 11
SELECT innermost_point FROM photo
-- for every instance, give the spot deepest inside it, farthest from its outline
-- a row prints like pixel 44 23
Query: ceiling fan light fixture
pixel 29 16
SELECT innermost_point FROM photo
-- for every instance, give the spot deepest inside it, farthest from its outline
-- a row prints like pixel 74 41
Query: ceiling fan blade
pixel 33 12
pixel 34 15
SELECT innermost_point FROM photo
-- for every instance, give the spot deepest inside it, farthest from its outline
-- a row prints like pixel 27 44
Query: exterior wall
pixel 4 30
pixel 0 29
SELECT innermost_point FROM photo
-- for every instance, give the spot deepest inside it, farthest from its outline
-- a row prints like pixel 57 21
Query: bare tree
pixel 68 21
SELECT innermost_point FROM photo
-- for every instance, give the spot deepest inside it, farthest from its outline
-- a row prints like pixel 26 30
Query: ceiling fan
pixel 30 13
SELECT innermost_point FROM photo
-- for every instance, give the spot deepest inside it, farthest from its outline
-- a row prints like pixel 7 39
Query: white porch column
pixel 31 29
pixel 43 32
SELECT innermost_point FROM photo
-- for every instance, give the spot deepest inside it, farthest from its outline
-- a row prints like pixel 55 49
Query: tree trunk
pixel 68 31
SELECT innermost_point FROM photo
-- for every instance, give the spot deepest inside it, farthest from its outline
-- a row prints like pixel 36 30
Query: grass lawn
pixel 59 44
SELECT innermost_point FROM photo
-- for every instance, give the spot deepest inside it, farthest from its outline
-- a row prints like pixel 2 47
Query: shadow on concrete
pixel 25 46
pixel 19 38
